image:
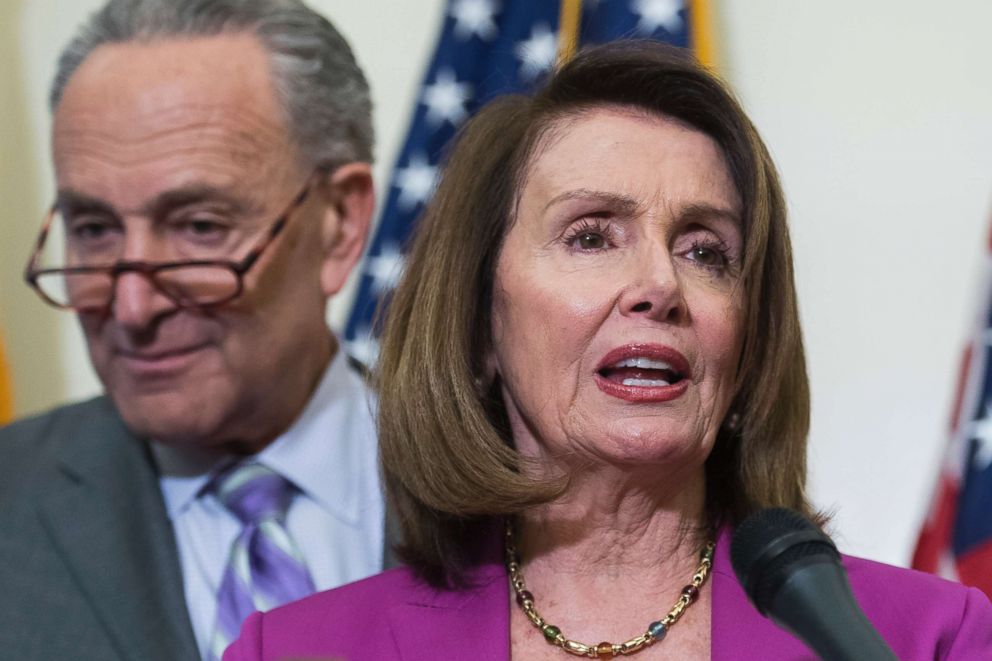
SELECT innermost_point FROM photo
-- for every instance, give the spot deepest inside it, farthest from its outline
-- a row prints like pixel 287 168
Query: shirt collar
pixel 322 452
pixel 184 473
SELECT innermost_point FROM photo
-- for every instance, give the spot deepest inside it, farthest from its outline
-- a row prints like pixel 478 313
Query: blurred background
pixel 879 116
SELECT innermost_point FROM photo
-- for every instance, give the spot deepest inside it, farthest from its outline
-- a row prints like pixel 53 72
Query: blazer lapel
pixel 469 624
pixel 104 512
pixel 737 630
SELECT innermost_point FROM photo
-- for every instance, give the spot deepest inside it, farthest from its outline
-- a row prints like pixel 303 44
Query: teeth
pixel 644 363
pixel 648 383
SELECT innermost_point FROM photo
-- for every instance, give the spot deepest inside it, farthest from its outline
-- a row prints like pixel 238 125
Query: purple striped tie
pixel 265 568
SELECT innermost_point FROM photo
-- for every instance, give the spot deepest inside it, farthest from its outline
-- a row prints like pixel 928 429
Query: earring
pixel 483 384
pixel 733 422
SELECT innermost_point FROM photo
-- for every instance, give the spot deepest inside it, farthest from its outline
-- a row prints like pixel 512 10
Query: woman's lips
pixel 642 393
pixel 643 373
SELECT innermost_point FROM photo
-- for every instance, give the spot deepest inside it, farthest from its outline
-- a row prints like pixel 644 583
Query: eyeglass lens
pixel 185 284
pixel 90 240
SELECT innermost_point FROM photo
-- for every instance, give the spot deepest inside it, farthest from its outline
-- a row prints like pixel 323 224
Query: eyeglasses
pixel 197 283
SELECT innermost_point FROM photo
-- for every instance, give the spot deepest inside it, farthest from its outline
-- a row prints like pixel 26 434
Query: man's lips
pixel 643 373
pixel 160 362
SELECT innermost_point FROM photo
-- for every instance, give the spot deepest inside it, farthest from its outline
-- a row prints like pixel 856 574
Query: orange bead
pixel 604 649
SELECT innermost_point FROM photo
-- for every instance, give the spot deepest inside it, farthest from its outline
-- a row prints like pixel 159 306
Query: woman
pixel 591 372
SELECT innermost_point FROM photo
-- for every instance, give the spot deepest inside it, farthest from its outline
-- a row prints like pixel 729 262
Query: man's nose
pixel 655 289
pixel 137 301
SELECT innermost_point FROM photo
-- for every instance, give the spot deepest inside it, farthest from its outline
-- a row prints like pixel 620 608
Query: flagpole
pixel 702 33
pixel 570 18
pixel 6 391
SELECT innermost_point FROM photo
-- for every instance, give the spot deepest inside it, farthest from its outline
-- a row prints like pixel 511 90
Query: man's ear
pixel 349 204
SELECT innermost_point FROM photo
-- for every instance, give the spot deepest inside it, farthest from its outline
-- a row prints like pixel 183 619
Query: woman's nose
pixel 654 290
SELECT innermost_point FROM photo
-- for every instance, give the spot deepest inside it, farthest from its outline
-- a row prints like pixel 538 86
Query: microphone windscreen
pixel 768 545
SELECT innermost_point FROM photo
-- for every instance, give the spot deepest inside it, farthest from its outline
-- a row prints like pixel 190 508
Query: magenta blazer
pixel 395 616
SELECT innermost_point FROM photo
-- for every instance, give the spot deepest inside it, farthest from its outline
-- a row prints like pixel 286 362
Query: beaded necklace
pixel 655 632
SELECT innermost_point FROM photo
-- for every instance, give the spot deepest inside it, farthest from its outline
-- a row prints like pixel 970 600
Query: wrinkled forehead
pixel 583 129
pixel 183 103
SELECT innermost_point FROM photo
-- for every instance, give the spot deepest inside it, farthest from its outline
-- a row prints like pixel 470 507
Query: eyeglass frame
pixel 149 269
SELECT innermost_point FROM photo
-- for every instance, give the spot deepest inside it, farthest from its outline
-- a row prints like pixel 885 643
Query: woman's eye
pixel 590 240
pixel 591 235
pixel 707 256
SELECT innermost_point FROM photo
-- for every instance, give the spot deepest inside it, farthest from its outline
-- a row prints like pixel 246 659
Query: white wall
pixel 879 115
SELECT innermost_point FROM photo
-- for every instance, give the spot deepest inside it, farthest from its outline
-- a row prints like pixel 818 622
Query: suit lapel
pixel 105 514
pixel 470 624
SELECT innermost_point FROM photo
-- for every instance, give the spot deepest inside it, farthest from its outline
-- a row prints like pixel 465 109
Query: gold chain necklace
pixel 655 632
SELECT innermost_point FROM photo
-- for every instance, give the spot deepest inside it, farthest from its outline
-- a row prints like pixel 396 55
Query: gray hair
pixel 321 88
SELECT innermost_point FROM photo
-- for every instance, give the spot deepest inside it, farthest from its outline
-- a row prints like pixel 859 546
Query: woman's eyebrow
pixel 622 204
pixel 703 211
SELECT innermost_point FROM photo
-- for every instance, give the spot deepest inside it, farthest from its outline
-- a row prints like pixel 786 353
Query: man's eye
pixel 202 228
pixel 89 230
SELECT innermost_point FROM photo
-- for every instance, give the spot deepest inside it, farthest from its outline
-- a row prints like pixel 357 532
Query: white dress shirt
pixel 337 521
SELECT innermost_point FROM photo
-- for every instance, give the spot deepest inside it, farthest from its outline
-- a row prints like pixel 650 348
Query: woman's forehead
pixel 622 151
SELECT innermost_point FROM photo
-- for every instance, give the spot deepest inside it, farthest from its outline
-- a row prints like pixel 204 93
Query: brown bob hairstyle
pixel 447 454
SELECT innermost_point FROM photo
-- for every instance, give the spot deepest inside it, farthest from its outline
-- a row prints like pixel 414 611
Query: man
pixel 213 190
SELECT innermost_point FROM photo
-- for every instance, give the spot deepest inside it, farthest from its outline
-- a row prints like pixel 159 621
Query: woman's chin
pixel 637 449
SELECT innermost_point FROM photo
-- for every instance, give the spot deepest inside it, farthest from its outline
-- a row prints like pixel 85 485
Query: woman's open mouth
pixel 643 373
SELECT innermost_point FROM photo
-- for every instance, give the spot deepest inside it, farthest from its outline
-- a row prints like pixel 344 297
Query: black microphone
pixel 792 574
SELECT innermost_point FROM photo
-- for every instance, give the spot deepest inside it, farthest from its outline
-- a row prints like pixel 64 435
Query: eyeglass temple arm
pixel 31 269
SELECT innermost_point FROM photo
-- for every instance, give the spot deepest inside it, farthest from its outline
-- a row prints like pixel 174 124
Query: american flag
pixel 486 48
pixel 956 540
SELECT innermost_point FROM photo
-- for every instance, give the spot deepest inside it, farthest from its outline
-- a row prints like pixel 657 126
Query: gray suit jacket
pixel 88 562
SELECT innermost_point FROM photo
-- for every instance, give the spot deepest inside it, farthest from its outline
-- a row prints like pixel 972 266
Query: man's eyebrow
pixel 68 199
pixel 158 206
pixel 194 194
pixel 622 204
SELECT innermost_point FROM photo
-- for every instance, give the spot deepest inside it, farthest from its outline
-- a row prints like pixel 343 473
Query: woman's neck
pixel 614 554
pixel 611 517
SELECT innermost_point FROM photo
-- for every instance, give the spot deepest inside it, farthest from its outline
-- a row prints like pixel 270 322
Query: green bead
pixel 551 632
